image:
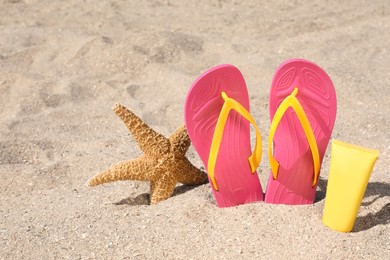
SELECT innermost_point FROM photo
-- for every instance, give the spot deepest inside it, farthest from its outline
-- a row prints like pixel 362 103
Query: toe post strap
pixel 291 101
pixel 254 159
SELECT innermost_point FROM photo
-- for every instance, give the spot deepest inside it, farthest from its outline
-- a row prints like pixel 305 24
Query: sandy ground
pixel 64 64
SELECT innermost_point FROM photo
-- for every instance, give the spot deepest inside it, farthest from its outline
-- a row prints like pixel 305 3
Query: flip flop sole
pixel 236 183
pixel 291 149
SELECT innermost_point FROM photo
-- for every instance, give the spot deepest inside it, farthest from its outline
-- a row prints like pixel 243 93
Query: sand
pixel 63 66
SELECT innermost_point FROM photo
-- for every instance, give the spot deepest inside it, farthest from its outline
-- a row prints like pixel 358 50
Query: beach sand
pixel 63 66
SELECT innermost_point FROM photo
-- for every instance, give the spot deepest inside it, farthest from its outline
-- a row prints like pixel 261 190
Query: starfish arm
pixel 188 174
pixel 139 169
pixel 162 189
pixel 152 186
pixel 180 141
pixel 149 141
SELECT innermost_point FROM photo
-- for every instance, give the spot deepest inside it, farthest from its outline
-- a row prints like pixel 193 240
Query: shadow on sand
pixel 144 199
pixel 374 191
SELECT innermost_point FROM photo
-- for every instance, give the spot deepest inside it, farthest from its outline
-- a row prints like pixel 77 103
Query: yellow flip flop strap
pixel 254 159
pixel 293 102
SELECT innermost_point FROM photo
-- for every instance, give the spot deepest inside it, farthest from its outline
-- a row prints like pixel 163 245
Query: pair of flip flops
pixel 302 110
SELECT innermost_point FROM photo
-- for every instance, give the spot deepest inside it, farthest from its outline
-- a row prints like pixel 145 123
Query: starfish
pixel 163 162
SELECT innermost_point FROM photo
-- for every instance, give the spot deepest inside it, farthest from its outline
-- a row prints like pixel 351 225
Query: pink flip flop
pixel 303 112
pixel 217 119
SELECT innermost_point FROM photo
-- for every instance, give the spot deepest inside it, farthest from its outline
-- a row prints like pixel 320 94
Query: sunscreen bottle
pixel 350 170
